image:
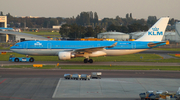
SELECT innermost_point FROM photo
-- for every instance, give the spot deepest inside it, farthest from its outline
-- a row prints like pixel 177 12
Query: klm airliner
pixel 65 50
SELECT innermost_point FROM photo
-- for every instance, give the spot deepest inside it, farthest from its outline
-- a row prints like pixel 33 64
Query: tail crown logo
pixel 155 29
pixel 155 32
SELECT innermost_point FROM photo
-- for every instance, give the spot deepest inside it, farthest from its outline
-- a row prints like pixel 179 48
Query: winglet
pixel 113 45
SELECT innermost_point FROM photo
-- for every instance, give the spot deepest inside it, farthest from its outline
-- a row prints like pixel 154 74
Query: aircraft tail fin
pixel 156 32
pixel 178 92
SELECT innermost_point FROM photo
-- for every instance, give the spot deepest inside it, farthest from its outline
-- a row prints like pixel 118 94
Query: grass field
pixel 4 48
pixel 123 58
pixel 130 58
pixel 98 67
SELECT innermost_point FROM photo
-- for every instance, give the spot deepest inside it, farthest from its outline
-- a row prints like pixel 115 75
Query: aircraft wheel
pixel 16 60
pixel 85 60
pixel 31 59
pixel 90 60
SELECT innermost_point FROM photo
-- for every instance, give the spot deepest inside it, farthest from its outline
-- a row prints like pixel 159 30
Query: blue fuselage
pixel 53 47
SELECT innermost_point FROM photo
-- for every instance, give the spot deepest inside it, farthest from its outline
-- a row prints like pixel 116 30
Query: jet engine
pixel 65 55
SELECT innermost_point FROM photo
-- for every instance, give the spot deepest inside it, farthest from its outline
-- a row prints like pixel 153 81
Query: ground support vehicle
pixel 21 59
pixel 67 76
pixel 85 77
pixel 96 75
pixel 158 95
pixel 76 76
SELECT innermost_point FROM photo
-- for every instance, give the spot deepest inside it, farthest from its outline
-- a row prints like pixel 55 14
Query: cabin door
pixel 49 45
pixel 133 45
pixel 25 45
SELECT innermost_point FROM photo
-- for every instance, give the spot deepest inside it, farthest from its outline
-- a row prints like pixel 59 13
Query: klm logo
pixel 37 43
pixel 155 32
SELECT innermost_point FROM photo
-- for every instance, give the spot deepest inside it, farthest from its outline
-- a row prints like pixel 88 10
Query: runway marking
pixel 56 88
pixel 15 98
pixel 2 81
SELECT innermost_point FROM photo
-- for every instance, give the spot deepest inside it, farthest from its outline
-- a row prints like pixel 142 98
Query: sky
pixel 104 8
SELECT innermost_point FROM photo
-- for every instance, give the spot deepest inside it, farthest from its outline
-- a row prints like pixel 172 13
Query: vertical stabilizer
pixel 156 32
pixel 178 92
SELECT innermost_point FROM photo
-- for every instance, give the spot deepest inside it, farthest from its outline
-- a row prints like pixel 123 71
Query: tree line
pixel 83 19
pixel 77 31
pixel 85 24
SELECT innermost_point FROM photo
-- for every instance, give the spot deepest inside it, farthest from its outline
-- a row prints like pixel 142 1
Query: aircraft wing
pixel 90 50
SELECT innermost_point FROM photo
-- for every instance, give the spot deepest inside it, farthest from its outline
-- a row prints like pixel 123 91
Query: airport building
pixel 3 21
pixel 118 36
pixel 9 36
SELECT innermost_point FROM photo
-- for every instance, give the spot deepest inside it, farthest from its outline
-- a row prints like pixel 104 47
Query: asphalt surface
pixel 33 84
pixel 113 87
pixel 58 73
pixel 40 84
pixel 6 63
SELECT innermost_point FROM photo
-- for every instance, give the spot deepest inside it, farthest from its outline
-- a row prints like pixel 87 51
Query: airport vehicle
pixel 76 76
pixel 85 77
pixel 67 76
pixel 96 75
pixel 21 59
pixel 65 50
pixel 158 95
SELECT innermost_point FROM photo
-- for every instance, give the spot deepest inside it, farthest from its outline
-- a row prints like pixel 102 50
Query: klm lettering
pixel 155 33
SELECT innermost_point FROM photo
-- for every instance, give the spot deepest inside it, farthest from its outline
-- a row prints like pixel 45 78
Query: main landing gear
pixel 88 60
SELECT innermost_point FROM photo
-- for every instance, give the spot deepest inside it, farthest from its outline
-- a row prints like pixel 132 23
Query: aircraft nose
pixel 12 48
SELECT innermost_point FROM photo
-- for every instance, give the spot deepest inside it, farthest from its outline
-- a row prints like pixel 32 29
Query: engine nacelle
pixel 65 55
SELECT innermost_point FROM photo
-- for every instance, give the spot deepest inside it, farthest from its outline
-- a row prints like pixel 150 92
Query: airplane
pixel 65 50
pixel 3 28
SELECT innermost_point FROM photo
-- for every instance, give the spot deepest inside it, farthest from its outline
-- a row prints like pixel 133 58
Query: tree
pixel 64 30
pixel 172 21
pixel 97 30
pixel 74 30
pixel 95 17
pixel 112 27
pixel 131 15
pixel 127 16
pixel 124 29
pixel 90 32
pixel 84 19
pixel 151 20
pixel 1 13
pixel 137 27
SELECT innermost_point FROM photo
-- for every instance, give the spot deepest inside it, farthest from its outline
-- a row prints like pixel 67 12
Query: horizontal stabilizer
pixel 154 44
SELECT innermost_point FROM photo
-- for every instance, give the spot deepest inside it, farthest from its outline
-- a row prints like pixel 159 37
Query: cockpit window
pixel 16 45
